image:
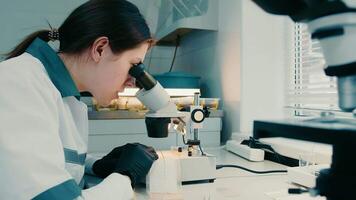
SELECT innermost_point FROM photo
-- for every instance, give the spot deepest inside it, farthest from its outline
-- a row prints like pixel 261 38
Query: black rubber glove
pixel 133 160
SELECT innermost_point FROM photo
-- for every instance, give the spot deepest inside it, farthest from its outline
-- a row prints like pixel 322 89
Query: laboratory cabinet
pixel 106 134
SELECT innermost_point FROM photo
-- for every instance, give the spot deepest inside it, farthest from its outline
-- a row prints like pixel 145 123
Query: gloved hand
pixel 132 159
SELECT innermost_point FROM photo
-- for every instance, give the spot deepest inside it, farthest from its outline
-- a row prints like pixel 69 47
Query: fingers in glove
pixel 116 152
pixel 152 151
pixel 153 155
pixel 104 167
pixel 135 163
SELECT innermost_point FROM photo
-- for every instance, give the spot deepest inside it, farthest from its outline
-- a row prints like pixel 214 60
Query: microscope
pixel 333 23
pixel 194 164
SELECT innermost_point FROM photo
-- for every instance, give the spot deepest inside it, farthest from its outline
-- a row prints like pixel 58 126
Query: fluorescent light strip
pixel 128 92
pixel 173 92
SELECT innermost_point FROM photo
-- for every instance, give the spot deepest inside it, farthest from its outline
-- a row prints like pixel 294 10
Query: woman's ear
pixel 100 45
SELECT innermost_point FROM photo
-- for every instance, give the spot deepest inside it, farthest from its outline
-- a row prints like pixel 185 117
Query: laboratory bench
pixel 114 128
pixel 109 129
pixel 230 183
pixel 237 184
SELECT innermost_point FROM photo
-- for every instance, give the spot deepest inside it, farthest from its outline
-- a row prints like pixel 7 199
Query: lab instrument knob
pixel 198 115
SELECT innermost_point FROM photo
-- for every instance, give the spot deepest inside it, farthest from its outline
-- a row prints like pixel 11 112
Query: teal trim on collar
pixel 64 191
pixel 55 68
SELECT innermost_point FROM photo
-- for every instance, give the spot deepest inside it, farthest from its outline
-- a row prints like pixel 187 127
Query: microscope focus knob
pixel 198 115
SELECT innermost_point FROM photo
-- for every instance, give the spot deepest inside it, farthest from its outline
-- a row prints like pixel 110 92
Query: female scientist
pixel 44 126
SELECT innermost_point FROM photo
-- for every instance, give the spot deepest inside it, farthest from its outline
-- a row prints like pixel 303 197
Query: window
pixel 309 90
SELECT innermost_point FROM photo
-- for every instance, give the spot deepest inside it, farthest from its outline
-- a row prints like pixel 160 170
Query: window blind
pixel 309 90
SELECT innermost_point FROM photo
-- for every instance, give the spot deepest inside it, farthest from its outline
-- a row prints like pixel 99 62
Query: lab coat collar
pixel 55 68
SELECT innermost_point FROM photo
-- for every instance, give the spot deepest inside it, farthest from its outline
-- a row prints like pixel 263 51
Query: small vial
pixel 190 150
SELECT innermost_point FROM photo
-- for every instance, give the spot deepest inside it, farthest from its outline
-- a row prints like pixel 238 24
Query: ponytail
pixel 119 20
pixel 21 48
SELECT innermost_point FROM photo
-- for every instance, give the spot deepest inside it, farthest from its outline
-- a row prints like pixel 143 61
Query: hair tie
pixel 53 34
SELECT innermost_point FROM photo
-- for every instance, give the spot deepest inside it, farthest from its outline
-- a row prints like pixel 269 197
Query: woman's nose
pixel 130 82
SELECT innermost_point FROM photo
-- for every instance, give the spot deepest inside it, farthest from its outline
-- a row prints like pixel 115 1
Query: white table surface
pixel 234 184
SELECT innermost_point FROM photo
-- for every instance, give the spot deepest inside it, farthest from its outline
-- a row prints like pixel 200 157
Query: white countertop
pixel 235 184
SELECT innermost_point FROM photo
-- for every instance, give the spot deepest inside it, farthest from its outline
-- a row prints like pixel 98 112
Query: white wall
pixel 265 56
pixel 19 18
pixel 229 61
pixel 158 59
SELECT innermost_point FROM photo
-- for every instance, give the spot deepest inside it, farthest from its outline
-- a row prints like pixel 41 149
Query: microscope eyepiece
pixel 143 79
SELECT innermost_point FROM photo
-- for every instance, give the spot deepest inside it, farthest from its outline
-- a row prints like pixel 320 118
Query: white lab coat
pixel 38 131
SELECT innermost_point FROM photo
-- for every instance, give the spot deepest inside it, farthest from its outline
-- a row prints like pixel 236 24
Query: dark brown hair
pixel 119 20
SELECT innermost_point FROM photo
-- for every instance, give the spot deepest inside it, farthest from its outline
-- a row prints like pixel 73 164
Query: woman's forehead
pixel 138 53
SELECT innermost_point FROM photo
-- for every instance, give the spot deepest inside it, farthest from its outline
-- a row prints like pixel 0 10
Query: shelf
pixel 171 28
pixel 125 114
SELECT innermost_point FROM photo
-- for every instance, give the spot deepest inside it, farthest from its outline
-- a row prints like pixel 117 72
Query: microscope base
pixel 336 183
pixel 197 168
pixel 176 168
